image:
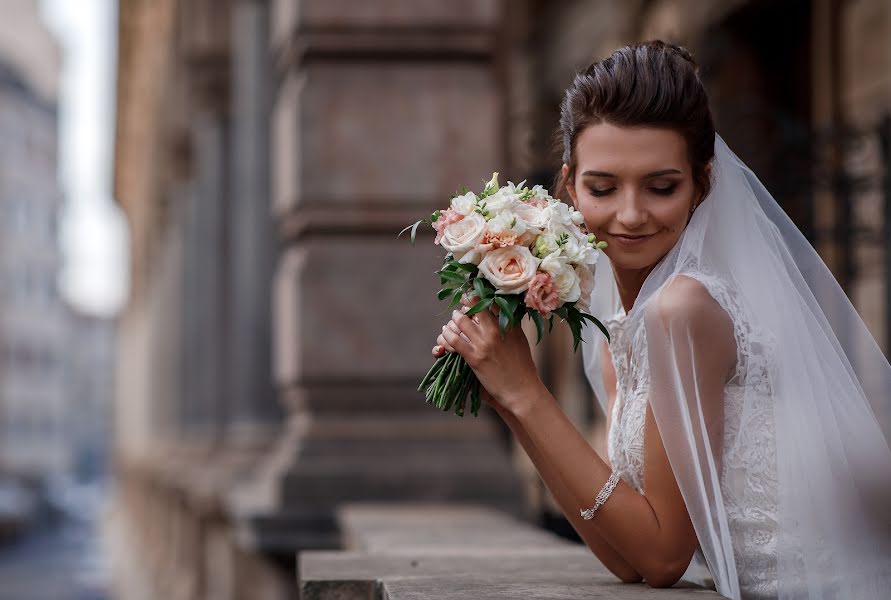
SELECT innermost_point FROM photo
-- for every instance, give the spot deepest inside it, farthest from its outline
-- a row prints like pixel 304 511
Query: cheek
pixel 596 217
pixel 673 217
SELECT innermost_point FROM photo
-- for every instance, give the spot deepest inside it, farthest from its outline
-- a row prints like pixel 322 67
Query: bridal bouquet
pixel 519 249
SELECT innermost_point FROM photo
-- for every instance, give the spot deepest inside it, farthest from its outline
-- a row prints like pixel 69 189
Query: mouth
pixel 631 237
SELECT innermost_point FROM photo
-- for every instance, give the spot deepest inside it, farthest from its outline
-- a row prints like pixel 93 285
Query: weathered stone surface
pixel 290 14
pixel 451 551
pixel 439 527
pixel 340 138
pixel 357 308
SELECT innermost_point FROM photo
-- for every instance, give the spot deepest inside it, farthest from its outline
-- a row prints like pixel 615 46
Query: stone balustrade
pixel 452 551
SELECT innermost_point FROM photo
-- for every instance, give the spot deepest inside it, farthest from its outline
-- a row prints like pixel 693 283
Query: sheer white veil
pixel 828 382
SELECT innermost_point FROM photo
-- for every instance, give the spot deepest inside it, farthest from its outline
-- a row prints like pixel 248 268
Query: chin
pixel 632 260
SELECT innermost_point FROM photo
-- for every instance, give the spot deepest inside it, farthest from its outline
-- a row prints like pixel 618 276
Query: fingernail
pixel 464 309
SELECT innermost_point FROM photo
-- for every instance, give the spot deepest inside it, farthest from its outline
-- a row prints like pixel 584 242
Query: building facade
pixel 267 153
pixel 33 323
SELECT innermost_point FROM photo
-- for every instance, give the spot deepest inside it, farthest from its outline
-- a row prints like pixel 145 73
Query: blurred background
pixel 210 335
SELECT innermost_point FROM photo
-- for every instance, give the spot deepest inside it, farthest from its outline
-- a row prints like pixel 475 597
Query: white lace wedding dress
pixel 748 469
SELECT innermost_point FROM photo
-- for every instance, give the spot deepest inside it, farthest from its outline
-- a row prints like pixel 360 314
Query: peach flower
pixel 542 294
pixel 500 239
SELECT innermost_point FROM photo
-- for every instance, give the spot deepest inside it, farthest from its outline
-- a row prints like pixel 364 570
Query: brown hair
pixel 652 84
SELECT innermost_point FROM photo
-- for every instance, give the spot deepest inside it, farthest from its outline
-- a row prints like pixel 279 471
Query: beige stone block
pixel 375 134
pixel 357 308
pixel 289 14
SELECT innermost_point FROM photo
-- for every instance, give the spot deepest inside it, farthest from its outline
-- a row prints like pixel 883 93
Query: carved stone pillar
pixel 379 116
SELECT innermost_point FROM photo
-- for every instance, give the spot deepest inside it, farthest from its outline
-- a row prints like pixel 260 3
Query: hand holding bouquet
pixel 519 249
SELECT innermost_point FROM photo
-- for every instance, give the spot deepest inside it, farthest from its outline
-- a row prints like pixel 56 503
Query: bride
pixel 746 402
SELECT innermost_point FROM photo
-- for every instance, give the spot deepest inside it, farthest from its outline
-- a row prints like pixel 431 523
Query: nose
pixel 632 213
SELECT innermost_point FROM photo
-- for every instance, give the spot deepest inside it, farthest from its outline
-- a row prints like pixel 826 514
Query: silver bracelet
pixel 602 495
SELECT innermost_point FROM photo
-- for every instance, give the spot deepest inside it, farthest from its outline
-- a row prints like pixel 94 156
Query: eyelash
pixel 661 191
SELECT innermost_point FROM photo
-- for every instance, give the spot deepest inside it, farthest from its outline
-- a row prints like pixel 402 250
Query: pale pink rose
pixel 509 269
pixel 446 218
pixel 542 294
pixel 463 238
pixel 534 217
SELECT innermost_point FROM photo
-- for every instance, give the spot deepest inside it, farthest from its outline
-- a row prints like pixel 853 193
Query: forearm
pixel 627 522
pixel 592 538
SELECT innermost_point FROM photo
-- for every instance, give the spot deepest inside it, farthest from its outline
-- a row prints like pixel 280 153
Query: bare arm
pixel 592 538
pixel 652 532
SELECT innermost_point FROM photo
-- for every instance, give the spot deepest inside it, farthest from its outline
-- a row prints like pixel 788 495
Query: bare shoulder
pixel 685 301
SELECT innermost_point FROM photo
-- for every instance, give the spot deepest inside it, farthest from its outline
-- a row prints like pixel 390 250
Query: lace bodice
pixel 748 470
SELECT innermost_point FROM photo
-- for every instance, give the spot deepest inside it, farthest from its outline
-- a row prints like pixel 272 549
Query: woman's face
pixel 634 187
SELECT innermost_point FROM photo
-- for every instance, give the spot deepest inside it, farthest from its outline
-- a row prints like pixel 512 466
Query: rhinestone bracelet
pixel 604 493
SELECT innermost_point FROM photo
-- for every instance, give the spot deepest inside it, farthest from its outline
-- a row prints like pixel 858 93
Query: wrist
pixel 526 399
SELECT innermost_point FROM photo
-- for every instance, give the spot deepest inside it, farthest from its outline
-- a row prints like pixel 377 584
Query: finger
pixel 442 343
pixel 457 329
pixel 457 342
pixel 473 317
pixel 469 300
pixel 467 324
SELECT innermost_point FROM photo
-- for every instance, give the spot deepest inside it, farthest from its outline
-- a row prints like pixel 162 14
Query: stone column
pixel 379 117
pixel 254 406
pixel 205 276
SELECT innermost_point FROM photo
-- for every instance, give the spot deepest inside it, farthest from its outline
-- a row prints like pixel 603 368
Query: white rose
pixel 462 237
pixel 586 287
pixel 499 201
pixel 560 213
pixel 464 205
pixel 568 285
pixel 509 269
pixel 535 218
pixel 554 263
pixel 577 217
pixel 574 249
pixel 507 222
pixel 541 192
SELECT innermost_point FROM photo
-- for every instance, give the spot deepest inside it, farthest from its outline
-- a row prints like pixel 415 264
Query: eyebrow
pixel 647 176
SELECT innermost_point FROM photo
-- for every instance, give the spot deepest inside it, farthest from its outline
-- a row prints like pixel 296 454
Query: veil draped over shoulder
pixel 828 384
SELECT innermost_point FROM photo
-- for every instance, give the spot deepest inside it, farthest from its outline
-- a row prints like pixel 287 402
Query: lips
pixel 630 237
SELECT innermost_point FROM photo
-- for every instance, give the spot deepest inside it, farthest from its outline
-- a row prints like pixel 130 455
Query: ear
pixel 570 187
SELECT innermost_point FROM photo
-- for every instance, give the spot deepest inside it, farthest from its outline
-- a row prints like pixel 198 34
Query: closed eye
pixel 663 191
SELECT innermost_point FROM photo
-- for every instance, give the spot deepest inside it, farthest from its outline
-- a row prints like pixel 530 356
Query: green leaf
pixel 550 323
pixel 414 230
pixel 505 308
pixel 445 293
pixel 479 286
pixel 598 323
pixel 514 302
pixel 456 298
pixel 469 267
pixel 539 324
pixel 503 322
pixel 446 276
pixel 479 306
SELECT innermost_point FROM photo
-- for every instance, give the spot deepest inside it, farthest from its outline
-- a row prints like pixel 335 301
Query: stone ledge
pixel 414 551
